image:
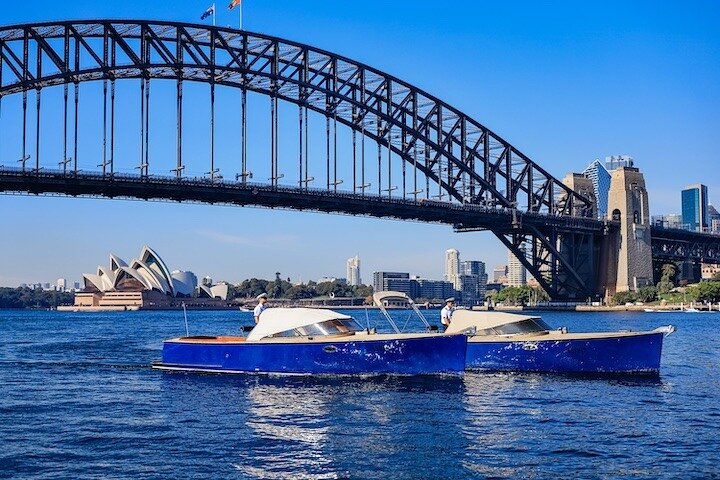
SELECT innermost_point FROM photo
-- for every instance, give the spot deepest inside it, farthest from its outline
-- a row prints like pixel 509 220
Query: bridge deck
pixel 204 190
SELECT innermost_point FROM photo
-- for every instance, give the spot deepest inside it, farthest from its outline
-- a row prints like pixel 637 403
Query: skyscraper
pixel 353 271
pixel 474 281
pixel 618 161
pixel 713 219
pixel 517 275
pixel 500 274
pixel 452 267
pixel 695 208
pixel 600 178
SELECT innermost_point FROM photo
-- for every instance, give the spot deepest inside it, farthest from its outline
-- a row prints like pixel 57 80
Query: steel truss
pixel 669 245
pixel 454 159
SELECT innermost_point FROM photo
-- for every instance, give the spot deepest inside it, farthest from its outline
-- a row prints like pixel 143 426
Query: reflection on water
pixel 79 400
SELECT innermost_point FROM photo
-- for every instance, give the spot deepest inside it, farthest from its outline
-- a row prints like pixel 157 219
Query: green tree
pixel 705 292
pixel 668 272
pixel 647 294
pixel 621 298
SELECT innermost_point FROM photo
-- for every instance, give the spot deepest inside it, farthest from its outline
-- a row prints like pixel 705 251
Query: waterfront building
pixel 452 267
pixel 380 279
pixel 145 282
pixel 435 289
pixel 695 208
pixel 353 271
pixel 708 270
pixel 517 274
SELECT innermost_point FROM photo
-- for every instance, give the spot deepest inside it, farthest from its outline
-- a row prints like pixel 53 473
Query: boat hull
pixel 622 354
pixel 427 355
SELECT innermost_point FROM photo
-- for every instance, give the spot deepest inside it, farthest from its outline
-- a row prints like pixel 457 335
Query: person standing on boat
pixel 261 306
pixel 447 312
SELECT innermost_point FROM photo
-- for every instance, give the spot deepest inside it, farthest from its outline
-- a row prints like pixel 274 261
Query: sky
pixel 565 82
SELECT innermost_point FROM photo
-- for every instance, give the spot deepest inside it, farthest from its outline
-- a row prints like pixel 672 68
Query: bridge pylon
pixel 629 262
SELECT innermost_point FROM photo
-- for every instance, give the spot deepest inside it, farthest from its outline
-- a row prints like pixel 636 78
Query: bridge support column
pixel 628 204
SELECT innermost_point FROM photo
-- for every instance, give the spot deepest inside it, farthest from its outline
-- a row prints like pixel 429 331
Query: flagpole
pixel 214 14
pixel 240 14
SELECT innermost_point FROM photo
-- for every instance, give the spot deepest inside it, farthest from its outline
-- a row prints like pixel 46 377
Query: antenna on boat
pixel 187 330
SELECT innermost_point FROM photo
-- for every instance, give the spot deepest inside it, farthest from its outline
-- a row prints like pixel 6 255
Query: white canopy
pixel 380 296
pixel 464 319
pixel 277 320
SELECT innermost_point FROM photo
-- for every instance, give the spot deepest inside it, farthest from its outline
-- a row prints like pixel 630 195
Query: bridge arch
pixel 469 162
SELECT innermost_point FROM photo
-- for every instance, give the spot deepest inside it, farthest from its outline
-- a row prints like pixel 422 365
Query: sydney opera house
pixel 146 282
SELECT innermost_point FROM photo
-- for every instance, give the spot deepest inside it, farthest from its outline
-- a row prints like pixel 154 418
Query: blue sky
pixel 565 82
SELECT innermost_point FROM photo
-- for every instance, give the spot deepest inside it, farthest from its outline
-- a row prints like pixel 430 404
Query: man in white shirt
pixel 447 312
pixel 261 306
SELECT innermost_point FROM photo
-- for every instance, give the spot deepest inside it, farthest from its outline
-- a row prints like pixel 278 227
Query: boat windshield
pixel 531 325
pixel 328 327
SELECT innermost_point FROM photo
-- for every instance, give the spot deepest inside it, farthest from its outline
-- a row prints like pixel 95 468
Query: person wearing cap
pixel 447 312
pixel 261 306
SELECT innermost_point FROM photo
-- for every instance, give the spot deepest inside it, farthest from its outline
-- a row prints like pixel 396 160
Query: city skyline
pixel 590 59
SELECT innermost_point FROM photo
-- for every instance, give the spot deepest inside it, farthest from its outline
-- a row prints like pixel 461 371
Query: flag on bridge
pixel 208 12
pixel 234 4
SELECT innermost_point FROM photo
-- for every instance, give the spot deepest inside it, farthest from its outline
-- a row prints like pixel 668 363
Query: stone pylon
pixel 628 204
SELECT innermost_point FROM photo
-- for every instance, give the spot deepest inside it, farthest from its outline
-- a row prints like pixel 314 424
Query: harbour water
pixel 79 400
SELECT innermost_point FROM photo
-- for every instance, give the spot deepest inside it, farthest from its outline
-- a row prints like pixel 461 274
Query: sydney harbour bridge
pixel 139 109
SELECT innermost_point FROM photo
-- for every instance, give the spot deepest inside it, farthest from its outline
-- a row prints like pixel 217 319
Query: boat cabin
pixel 482 323
pixel 303 322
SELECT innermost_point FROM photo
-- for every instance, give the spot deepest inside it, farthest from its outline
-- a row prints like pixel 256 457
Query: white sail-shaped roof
pixel 125 272
pixel 107 277
pixel 155 281
pixel 464 319
pixel 116 262
pixel 93 282
pixel 277 320
pixel 156 264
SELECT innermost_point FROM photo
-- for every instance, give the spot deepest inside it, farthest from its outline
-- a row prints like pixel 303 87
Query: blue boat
pixel 518 343
pixel 303 341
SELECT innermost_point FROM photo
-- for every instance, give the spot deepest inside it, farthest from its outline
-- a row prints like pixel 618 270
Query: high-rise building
pixel 380 279
pixel 474 281
pixel 714 219
pixel 600 178
pixel 671 220
pixel 517 275
pixel 452 267
pixel 353 271
pixel 500 274
pixel 61 285
pixel 614 162
pixel 695 208
pixel 435 289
